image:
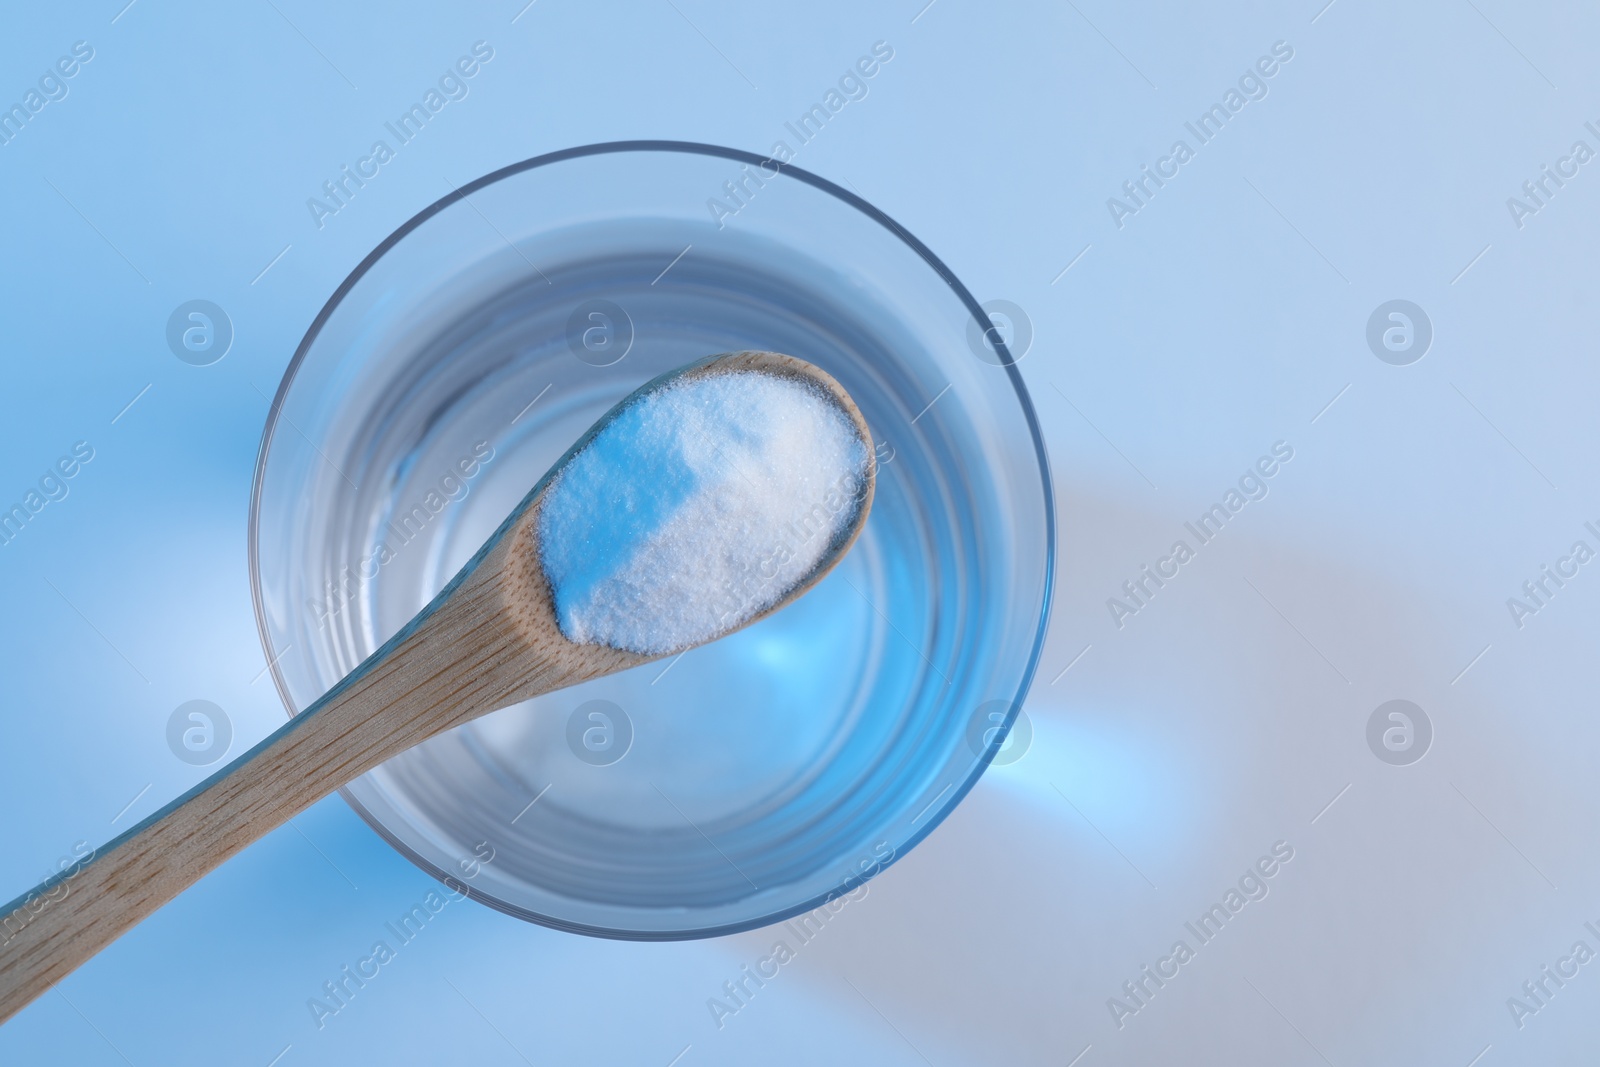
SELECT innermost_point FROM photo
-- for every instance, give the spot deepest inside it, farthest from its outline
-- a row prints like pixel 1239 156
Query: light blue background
pixel 1177 349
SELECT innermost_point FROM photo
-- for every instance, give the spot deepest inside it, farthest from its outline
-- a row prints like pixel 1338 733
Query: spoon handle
pixel 460 658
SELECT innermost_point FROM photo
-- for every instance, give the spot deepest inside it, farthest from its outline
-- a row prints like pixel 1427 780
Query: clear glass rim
pixel 685 148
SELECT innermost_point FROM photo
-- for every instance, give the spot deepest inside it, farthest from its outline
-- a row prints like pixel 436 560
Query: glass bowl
pixel 748 780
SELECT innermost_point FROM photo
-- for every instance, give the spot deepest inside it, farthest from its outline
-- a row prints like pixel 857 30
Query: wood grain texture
pixel 490 639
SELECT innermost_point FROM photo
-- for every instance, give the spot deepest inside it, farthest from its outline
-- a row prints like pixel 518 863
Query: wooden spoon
pixel 490 639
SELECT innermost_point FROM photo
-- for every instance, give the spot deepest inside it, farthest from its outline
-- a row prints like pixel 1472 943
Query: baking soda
pixel 698 506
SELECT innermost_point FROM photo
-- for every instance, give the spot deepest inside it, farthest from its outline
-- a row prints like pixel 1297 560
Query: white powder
pixel 701 504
